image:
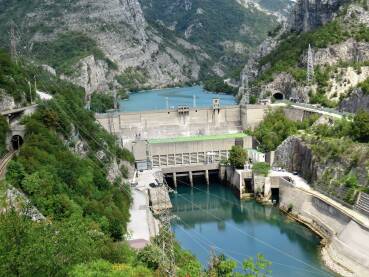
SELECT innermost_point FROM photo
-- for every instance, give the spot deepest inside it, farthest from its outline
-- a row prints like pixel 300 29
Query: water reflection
pixel 212 217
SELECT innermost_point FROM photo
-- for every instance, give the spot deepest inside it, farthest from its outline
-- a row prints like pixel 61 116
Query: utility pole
pixel 310 66
pixel 165 238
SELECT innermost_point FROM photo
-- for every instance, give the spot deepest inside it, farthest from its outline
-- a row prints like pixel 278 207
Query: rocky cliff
pixel 329 165
pixel 357 100
pixel 310 14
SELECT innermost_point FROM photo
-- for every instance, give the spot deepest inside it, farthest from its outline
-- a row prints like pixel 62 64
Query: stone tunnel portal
pixel 16 142
pixel 278 96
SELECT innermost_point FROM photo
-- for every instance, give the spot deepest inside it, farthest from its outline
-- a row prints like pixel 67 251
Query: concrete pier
pixel 175 179
pixel 207 177
pixel 191 178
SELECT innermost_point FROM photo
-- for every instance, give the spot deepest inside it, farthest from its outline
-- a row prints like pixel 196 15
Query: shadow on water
pixel 212 217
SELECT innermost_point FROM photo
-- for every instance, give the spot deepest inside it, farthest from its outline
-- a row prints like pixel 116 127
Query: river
pixel 158 99
pixel 213 218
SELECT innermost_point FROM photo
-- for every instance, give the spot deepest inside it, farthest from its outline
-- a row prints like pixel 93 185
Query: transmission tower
pixel 165 239
pixel 13 42
pixel 310 66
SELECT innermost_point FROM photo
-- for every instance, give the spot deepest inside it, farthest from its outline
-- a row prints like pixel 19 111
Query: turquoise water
pixel 213 218
pixel 157 99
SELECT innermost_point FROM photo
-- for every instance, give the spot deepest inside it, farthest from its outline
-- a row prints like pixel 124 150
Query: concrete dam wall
pixel 182 122
pixel 347 248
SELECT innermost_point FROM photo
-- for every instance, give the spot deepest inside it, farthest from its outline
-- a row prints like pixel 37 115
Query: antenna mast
pixel 310 66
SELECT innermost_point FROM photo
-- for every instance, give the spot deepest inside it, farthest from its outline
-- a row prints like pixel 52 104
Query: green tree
pixel 41 249
pixel 261 168
pixel 220 266
pixel 100 102
pixel 274 129
pixel 237 156
pixel 360 128
pixel 4 129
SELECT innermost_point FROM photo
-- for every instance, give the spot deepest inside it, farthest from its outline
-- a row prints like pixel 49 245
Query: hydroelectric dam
pixel 190 141
pixel 193 141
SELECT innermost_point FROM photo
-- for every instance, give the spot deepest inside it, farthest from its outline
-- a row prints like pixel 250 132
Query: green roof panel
pixel 197 138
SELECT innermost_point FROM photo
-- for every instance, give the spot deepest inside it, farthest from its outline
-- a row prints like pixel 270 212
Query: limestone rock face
pixel 310 14
pixel 355 102
pixel 6 101
pixel 294 155
pixel 321 171
pixel 122 33
pixel 347 51
pixel 91 74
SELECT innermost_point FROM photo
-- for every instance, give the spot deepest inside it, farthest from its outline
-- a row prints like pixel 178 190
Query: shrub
pixel 261 169
pixel 237 156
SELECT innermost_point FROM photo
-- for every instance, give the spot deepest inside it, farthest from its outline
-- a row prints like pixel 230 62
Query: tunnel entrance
pixel 16 142
pixel 278 96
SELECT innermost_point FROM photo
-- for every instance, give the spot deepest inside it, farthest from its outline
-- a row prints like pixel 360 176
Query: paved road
pixel 307 107
pixel 302 184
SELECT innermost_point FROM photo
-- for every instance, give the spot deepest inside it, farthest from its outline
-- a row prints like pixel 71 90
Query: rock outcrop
pixel 294 155
pixel 310 14
pixel 325 171
pixel 356 101
pixel 121 32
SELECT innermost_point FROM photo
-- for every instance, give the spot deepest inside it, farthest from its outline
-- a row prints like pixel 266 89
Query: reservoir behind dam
pixel 211 217
pixel 159 98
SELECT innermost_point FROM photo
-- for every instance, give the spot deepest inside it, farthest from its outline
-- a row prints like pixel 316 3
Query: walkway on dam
pixel 142 226
pixel 310 108
pixel 302 184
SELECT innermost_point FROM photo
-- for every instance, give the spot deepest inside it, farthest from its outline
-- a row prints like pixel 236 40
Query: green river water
pixel 213 218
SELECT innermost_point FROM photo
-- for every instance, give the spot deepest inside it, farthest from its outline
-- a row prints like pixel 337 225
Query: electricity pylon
pixel 310 66
pixel 165 239
pixel 13 42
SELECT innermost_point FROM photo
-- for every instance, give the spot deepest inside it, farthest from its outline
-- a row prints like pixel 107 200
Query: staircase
pixel 362 203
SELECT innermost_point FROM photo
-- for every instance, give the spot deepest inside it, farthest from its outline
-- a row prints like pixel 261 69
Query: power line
pixel 165 238
pixel 226 251
pixel 256 239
